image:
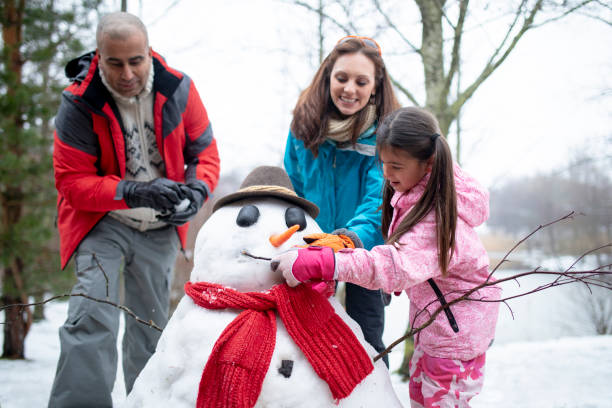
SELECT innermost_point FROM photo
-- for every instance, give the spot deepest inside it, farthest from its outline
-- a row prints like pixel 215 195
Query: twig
pixel 563 278
pixel 572 277
pixel 149 323
pixel 505 258
pixel 245 252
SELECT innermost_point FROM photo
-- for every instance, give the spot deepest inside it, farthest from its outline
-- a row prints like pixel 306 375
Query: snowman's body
pixel 171 377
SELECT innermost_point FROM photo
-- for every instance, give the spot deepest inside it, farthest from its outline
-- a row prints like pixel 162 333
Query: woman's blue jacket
pixel 345 181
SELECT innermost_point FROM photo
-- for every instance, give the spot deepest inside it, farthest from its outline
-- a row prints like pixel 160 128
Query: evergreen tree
pixel 38 37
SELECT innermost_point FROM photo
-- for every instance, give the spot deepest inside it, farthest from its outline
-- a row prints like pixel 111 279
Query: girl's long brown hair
pixel 314 106
pixel 416 132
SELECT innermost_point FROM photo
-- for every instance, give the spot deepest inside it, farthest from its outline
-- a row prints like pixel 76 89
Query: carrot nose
pixel 280 239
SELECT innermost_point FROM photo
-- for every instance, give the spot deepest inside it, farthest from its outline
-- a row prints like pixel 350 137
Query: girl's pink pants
pixel 444 383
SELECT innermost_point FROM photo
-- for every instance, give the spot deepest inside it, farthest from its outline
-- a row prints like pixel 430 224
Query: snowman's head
pixel 236 233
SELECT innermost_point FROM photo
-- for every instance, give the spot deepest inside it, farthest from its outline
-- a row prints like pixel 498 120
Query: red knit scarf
pixel 238 363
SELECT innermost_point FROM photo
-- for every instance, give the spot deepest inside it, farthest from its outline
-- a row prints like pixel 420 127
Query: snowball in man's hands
pixel 182 206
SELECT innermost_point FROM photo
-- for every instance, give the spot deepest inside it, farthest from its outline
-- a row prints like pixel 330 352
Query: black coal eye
pixel 248 215
pixel 294 215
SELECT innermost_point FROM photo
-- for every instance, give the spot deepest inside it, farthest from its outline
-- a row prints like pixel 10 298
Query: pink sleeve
pixel 393 268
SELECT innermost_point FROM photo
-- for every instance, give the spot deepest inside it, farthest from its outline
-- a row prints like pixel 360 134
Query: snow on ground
pixel 566 372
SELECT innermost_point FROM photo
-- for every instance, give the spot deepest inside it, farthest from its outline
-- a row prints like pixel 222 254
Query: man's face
pixel 126 63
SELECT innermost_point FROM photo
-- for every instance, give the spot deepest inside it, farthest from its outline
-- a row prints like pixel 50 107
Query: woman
pixel 331 157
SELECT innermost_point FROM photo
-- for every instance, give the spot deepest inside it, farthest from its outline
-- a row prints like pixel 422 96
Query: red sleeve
pixel 76 164
pixel 76 180
pixel 202 156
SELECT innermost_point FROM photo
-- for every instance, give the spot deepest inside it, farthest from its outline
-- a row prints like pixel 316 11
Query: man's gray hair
pixel 119 25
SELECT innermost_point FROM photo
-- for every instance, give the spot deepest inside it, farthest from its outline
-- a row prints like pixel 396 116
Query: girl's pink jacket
pixel 408 266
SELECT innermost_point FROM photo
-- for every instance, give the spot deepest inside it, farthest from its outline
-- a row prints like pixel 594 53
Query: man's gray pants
pixel 87 364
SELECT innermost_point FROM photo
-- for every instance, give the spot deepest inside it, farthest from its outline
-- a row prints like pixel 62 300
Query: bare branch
pixel 585 277
pixel 346 29
pixel 494 62
pixel 505 258
pixel 165 13
pixel 245 252
pixel 592 277
pixel 394 28
pixel 443 12
pixel 599 18
pixel 108 302
pixel 149 323
pixel 566 13
pixel 455 54
pixel 347 8
pixel 403 90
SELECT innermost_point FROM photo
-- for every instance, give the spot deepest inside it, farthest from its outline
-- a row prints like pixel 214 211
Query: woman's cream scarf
pixel 341 130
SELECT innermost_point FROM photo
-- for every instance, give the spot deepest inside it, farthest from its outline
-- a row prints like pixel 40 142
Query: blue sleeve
pixel 367 218
pixel 292 166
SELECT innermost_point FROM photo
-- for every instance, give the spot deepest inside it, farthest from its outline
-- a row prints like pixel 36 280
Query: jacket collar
pixel 87 82
pixel 132 99
pixel 409 198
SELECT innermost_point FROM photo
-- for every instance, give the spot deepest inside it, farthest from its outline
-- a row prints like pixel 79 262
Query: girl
pixel 331 160
pixel 430 209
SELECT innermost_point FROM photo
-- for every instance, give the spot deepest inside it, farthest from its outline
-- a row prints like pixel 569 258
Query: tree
pixel 38 37
pixel 446 28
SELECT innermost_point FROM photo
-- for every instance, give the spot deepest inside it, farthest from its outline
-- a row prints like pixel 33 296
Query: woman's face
pixel 351 83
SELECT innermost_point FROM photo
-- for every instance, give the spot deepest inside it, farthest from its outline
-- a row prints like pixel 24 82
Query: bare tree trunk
pixel 14 330
pixel 17 320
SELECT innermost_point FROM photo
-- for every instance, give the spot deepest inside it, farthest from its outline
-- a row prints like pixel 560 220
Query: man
pixel 134 160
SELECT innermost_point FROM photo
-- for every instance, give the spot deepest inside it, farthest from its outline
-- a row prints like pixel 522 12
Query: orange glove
pixel 333 241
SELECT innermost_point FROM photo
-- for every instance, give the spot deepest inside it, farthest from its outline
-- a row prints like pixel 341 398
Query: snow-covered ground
pixel 537 359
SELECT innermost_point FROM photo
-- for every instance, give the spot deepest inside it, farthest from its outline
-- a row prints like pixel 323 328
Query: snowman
pixel 240 337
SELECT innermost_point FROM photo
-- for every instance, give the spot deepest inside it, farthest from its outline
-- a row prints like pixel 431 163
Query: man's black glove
pixel 195 192
pixel 160 194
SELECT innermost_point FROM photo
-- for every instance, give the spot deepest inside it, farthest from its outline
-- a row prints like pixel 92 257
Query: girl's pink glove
pixel 306 264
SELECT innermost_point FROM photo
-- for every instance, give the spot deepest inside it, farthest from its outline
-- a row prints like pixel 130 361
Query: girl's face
pixel 402 170
pixel 351 83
